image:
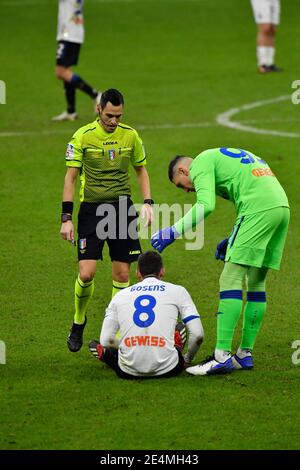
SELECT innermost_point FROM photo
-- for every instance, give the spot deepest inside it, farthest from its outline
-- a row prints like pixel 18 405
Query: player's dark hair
pixel 172 165
pixel 113 96
pixel 150 262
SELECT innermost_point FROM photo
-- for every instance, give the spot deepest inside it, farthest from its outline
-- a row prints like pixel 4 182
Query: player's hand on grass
pixel 221 249
pixel 67 231
pixel 147 214
pixel 163 238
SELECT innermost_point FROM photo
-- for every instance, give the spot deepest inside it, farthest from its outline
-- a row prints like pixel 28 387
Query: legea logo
pixel 2 92
pixel 2 353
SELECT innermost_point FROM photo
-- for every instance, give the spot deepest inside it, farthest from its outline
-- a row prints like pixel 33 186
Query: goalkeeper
pixel 255 244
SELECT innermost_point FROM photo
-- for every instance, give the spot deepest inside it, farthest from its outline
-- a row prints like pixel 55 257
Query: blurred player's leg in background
pixel 71 83
pixel 267 16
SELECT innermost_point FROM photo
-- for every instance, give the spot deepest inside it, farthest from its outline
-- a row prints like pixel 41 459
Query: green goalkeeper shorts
pixel 258 239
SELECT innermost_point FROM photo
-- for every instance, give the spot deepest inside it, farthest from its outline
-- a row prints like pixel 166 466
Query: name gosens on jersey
pixel 103 159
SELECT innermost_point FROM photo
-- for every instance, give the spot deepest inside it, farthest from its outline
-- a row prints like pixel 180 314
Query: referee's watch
pixel 149 201
pixel 65 217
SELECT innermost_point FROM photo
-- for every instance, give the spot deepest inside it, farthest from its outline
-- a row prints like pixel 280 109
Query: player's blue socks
pixel 83 86
pixel 70 90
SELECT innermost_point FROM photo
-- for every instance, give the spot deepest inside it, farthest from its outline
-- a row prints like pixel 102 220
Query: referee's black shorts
pixel 67 53
pixel 116 224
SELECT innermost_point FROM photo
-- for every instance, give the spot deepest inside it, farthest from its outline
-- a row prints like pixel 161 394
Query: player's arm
pixel 110 326
pixel 67 227
pixel 138 161
pixel 203 177
pixel 204 183
pixel 144 184
pixel 74 156
pixel 191 319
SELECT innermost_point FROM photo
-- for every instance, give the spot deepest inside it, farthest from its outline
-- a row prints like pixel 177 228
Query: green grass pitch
pixel 177 62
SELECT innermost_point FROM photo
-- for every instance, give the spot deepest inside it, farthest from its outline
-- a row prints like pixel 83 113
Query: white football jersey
pixel 266 11
pixel 146 315
pixel 70 21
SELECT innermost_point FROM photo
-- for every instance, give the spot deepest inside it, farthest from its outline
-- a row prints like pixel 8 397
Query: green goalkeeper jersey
pixel 103 159
pixel 236 175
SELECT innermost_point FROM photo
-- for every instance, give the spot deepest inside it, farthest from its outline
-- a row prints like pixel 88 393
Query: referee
pixel 100 153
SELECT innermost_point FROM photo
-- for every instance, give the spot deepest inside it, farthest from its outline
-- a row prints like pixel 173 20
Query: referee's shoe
pixel 75 340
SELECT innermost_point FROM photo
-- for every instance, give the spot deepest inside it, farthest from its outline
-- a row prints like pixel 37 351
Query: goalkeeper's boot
pixel 180 336
pixel 243 360
pixel 96 349
pixel 210 366
pixel 65 116
pixel 75 340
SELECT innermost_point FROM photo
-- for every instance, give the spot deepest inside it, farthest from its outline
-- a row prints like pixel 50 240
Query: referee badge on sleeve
pixel 70 152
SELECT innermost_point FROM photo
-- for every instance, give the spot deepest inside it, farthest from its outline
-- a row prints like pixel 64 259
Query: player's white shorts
pixel 266 11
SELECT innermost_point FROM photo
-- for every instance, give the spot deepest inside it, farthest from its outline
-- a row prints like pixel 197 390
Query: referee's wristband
pixel 149 201
pixel 67 207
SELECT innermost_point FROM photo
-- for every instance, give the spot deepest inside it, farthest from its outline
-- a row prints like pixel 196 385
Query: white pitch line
pixel 150 127
pixel 224 119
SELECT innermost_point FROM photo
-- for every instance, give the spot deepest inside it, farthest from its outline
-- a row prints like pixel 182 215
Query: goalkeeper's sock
pixel 83 86
pixel 242 353
pixel 230 307
pixel 83 294
pixel 253 316
pixel 70 91
pixel 118 286
pixel 231 303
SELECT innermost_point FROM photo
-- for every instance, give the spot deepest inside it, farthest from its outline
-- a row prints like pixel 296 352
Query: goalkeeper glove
pixel 221 249
pixel 163 238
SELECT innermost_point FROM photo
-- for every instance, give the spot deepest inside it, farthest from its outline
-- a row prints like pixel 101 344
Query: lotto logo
pixel 2 353
pixel 2 92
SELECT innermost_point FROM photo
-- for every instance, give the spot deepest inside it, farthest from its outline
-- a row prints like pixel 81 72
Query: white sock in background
pixel 262 55
pixel 270 55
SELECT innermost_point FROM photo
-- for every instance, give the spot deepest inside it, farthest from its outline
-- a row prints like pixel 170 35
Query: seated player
pixel 151 340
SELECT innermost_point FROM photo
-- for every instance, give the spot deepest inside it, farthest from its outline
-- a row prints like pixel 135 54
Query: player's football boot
pixel 211 367
pixel 96 349
pixel 75 338
pixel 65 116
pixel 274 68
pixel 263 69
pixel 245 363
pixel 269 68
pixel 180 336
